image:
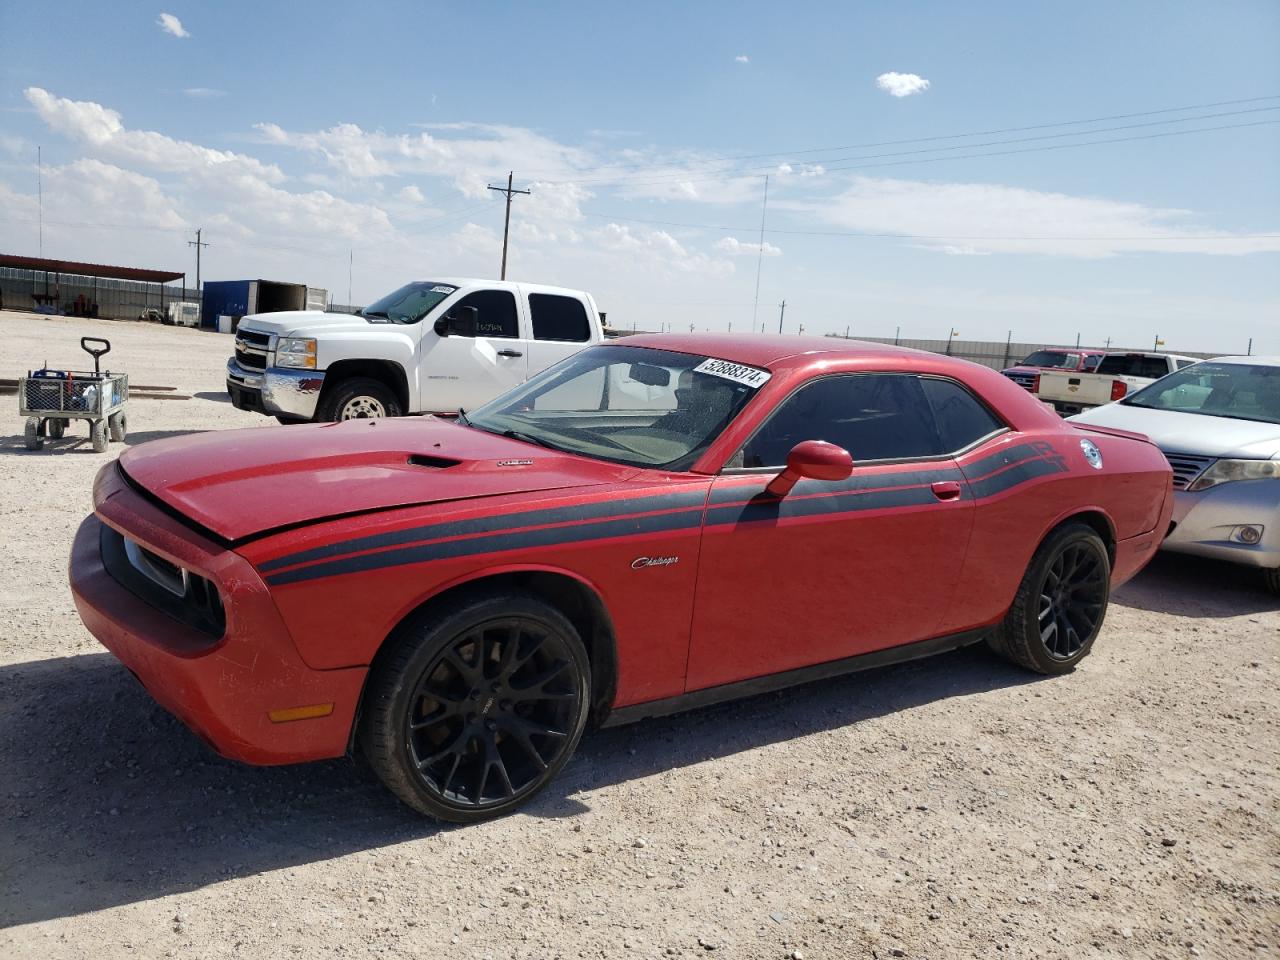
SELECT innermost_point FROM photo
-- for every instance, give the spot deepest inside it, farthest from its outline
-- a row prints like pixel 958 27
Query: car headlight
pixel 1224 471
pixel 296 352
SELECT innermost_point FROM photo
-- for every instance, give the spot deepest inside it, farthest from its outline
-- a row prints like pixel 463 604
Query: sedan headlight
pixel 1224 471
pixel 296 352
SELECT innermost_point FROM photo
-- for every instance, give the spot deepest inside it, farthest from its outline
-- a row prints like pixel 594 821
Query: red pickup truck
pixel 1026 372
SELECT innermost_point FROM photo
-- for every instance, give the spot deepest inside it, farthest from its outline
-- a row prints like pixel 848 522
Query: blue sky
pixel 294 138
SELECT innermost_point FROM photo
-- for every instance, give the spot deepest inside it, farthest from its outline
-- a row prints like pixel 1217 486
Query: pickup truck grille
pixel 1026 381
pixel 253 349
pixel 1186 468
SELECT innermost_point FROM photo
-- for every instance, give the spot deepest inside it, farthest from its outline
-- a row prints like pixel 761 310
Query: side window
pixel 559 318
pixel 873 416
pixel 496 313
pixel 1091 363
pixel 1185 363
pixel 960 416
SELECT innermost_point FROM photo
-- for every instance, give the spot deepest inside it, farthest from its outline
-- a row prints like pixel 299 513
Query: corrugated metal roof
pixel 88 269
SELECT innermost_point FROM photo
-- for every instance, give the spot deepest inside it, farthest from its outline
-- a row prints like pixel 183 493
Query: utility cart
pixel 51 399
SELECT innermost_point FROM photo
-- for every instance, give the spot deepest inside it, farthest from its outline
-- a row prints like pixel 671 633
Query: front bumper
pixel 275 391
pixel 1205 522
pixel 223 689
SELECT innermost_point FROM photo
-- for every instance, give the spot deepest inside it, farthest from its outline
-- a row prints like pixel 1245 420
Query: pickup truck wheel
pixel 359 398
pixel 477 706
pixel 1271 580
pixel 1060 604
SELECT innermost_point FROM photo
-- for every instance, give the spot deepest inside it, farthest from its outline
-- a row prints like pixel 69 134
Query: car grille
pixel 253 349
pixel 1026 381
pixel 1186 468
pixel 187 597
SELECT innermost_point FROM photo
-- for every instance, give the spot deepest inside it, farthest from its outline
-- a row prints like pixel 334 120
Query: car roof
pixel 1254 360
pixel 512 285
pixel 766 350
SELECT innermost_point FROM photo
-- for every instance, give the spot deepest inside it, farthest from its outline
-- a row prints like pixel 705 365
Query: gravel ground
pixel 952 807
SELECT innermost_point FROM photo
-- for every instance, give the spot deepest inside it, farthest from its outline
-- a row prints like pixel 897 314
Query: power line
pixel 949 136
pixel 910 236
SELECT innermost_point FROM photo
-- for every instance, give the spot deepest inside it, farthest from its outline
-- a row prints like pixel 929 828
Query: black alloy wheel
pixel 478 707
pixel 1061 603
pixel 1073 598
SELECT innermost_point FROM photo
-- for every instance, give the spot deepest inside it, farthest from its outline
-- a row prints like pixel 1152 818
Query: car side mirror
pixel 458 322
pixel 814 460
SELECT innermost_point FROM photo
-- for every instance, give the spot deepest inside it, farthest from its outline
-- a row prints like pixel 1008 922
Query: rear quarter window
pixel 962 419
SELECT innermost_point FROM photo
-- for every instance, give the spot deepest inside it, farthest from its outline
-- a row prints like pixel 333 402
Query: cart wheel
pixel 34 440
pixel 56 428
pixel 98 434
pixel 118 423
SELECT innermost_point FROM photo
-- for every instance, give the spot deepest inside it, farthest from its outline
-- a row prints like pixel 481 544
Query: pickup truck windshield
pixel 1050 358
pixel 632 405
pixel 1134 365
pixel 409 304
pixel 1236 390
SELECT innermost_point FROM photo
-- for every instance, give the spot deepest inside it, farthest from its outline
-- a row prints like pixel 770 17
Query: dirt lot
pixel 952 807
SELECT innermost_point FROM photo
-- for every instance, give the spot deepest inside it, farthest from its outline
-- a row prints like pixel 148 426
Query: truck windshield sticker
pixel 737 372
pixel 442 288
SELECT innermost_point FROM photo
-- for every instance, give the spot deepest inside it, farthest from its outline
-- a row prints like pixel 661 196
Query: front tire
pixel 1271 580
pixel 31 434
pixel 1060 604
pixel 359 398
pixel 477 706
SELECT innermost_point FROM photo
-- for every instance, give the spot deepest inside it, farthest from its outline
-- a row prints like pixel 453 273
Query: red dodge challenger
pixel 648 526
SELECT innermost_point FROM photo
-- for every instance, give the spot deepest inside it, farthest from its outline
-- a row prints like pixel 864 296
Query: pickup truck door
pixel 561 326
pixel 457 371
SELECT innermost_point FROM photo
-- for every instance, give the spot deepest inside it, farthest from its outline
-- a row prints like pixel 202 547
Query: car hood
pixel 1191 433
pixel 242 483
pixel 287 322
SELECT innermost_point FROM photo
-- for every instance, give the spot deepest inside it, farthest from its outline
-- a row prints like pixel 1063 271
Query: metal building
pixel 86 289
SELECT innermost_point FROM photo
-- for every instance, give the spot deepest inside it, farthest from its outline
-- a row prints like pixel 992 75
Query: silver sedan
pixel 1218 424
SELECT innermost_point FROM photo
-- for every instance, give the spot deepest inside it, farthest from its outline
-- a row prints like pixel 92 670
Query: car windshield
pixel 1241 391
pixel 409 304
pixel 632 405
pixel 1050 358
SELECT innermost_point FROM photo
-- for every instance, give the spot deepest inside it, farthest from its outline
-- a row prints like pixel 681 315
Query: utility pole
pixel 506 225
pixel 782 310
pixel 1077 341
pixel 1108 343
pixel 764 209
pixel 40 194
pixel 197 243
pixel 897 333
pixel 1250 353
pixel 351 255
pixel 846 330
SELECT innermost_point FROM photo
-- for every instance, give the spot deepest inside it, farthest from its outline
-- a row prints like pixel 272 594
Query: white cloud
pixel 742 58
pixel 103 131
pixel 412 194
pixel 171 25
pixel 901 84
pixel 972 218
pixel 736 248
pixel 204 93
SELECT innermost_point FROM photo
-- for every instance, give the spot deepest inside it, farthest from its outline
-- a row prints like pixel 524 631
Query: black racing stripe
pixel 866 481
pixel 1012 477
pixel 1018 453
pixel 620 527
pixel 491 524
pixel 786 509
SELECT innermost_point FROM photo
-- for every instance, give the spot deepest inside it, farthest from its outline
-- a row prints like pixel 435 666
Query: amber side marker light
pixel 289 714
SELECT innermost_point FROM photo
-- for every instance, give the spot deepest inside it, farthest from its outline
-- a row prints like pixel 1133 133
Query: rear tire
pixel 98 435
pixel 1060 604
pixel 118 424
pixel 31 433
pixel 1271 580
pixel 359 398
pixel 56 429
pixel 476 706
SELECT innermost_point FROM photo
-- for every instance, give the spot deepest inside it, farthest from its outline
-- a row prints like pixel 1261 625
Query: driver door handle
pixel 946 490
pixel 510 353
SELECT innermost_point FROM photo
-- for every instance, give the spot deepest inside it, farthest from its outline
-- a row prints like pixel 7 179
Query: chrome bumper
pixel 279 392
pixel 1207 522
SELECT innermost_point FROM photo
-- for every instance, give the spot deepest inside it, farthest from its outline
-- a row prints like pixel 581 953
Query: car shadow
pixel 1189 586
pixel 218 396
pixel 108 800
pixel 145 436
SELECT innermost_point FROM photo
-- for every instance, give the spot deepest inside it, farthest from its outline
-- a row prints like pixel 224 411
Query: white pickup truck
pixel 433 346
pixel 1115 376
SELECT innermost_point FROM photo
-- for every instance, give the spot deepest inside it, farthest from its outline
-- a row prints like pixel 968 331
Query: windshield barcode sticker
pixel 737 372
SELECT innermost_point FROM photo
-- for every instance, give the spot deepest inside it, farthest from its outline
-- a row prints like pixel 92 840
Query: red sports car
pixel 653 524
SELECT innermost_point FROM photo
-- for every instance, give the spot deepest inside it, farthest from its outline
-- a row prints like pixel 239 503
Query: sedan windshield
pixel 409 304
pixel 633 405
pixel 1241 391
pixel 1050 358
